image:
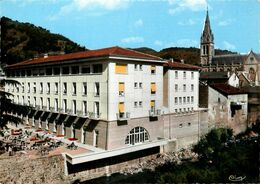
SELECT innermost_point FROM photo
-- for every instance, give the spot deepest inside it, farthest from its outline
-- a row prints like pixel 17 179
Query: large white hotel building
pixel 110 98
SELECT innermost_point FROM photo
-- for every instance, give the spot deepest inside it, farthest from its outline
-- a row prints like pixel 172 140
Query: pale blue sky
pixel 136 23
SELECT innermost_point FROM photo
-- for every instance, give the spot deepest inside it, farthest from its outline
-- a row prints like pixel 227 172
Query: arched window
pixel 136 136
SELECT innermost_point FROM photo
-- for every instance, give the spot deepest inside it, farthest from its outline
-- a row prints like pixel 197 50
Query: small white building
pixel 227 107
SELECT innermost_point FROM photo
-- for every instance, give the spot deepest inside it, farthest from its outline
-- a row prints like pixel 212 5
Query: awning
pixel 38 115
pixel 31 113
pixel 70 121
pixel 80 122
pixel 45 116
pixel 61 118
pixel 52 118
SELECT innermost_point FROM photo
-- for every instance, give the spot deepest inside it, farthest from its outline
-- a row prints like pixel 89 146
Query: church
pixel 246 66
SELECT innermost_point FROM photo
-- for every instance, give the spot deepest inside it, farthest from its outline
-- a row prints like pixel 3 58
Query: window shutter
pixel 121 68
pixel 121 107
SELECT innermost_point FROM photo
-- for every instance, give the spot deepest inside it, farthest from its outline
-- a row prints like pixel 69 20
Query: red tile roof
pixel 227 89
pixel 105 52
pixel 178 65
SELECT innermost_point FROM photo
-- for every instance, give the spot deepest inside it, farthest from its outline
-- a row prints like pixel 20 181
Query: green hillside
pixel 21 41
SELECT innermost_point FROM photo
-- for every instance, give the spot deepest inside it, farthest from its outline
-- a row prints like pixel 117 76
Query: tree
pixel 7 106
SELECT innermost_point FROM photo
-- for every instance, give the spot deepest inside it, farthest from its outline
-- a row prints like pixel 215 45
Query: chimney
pixel 45 55
pixel 182 61
pixel 171 59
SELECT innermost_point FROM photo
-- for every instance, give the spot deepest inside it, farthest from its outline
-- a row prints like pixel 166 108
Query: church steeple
pixel 207 43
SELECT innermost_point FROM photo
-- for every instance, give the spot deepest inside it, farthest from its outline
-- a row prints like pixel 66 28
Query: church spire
pixel 207 42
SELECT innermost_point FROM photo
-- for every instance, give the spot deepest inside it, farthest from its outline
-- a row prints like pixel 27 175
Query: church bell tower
pixel 206 43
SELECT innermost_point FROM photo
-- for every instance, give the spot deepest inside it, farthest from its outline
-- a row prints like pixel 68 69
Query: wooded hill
pixel 21 41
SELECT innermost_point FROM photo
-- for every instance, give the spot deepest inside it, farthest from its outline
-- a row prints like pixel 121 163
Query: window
pixel 175 110
pixel 75 70
pixel 41 102
pixel 176 100
pixel 56 87
pixel 188 99
pixel 192 75
pixel 74 88
pixel 135 84
pixel 64 105
pixel 121 108
pixel 192 87
pixel 84 108
pixel 97 68
pixel 65 70
pixel 64 88
pixel 152 104
pixel 34 101
pixel 121 68
pixel 184 75
pixel 141 67
pixel 176 87
pixel 28 100
pixel 153 69
pixel 189 124
pixel 97 89
pixel 176 74
pixel 85 69
pixel 28 87
pixel 56 104
pixel 140 104
pixel 41 87
pixel 184 109
pixel 136 136
pixel 184 100
pixel 153 88
pixel 180 125
pixel 34 87
pixel 136 66
pixel 74 107
pixel 22 73
pixel 84 89
pixel 48 88
pixel 41 72
pixel 49 71
pixel 184 87
pixel 121 89
pixel 56 71
pixel 48 104
pixel 140 85
pixel 96 108
pixel 22 87
pixel 192 99
pixel 180 100
pixel 29 73
pixel 135 104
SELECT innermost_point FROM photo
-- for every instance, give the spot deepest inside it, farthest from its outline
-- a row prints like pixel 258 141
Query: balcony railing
pixel 123 116
pixel 154 112
pixel 93 115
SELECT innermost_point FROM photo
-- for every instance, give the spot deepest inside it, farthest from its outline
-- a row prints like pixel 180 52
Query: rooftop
pixel 179 65
pixel 105 52
pixel 214 75
pixel 228 59
pixel 226 89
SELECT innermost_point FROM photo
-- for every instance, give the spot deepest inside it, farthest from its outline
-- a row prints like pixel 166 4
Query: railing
pixel 93 115
pixel 123 116
pixel 154 112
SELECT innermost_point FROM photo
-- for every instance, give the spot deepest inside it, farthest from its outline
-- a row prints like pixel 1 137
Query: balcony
pixel 123 116
pixel 93 115
pixel 154 112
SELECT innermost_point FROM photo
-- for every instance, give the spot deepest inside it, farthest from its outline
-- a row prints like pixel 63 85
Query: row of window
pixel 184 87
pixel 66 70
pixel 180 110
pixel 184 75
pixel 56 90
pixel 55 106
pixel 183 100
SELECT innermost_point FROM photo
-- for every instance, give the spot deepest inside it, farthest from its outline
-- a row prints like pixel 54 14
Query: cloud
pixel 192 5
pixel 133 39
pixel 139 23
pixel 228 46
pixel 158 43
pixel 183 43
pixel 225 22
pixel 188 22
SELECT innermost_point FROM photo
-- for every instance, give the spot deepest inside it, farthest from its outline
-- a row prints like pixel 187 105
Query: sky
pixel 156 24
